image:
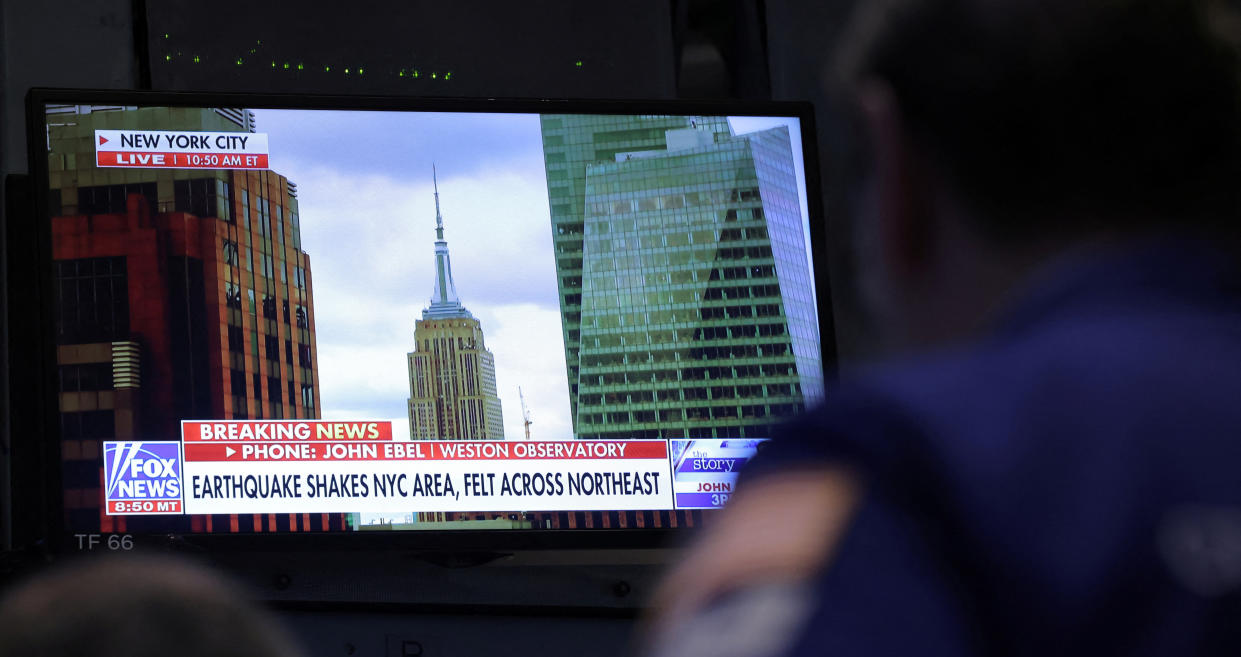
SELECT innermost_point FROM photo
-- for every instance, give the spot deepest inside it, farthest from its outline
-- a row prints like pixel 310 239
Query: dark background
pixel 546 603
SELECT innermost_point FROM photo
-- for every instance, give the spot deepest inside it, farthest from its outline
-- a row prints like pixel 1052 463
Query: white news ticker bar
pixel 180 141
pixel 654 491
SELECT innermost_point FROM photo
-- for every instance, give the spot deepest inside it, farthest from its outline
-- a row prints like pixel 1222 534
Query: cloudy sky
pixel 368 222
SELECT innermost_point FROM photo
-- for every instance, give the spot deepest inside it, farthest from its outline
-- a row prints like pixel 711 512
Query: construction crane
pixel 525 413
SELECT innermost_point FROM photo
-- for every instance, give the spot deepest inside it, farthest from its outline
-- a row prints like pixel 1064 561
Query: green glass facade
pixel 687 305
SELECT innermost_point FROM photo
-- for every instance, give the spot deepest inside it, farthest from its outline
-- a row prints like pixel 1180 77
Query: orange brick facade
pixel 221 319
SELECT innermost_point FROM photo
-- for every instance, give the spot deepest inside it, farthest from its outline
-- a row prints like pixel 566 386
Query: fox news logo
pixel 142 477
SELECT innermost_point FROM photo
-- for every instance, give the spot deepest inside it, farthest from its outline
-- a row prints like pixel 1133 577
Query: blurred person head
pixel 997 135
pixel 136 607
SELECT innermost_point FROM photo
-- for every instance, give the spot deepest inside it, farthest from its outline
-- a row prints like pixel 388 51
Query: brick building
pixel 181 294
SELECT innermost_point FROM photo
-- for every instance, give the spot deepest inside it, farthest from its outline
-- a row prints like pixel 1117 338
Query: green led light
pixel 196 59
pixel 168 58
pixel 165 35
pixel 361 71
pixel 434 76
pixel 401 74
pixel 273 63
pixel 253 50
pixel 346 71
pixel 416 73
pixel 448 75
pixel 299 66
pixel 327 69
pixel 239 61
pixel 286 66
pixel 578 63
pixel 259 42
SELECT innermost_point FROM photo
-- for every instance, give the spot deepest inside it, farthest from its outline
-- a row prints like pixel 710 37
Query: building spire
pixel 439 220
pixel 445 303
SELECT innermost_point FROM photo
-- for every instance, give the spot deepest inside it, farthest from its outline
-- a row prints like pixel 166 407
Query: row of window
pixel 690 414
pixel 200 197
pixel 85 377
pixel 232 299
pixel 113 199
pixel 652 263
pixel 614 322
pixel 92 300
pixel 679 375
pixel 669 201
pixel 271 344
pixel 275 394
pixel 747 430
pixel 741 292
pixel 648 338
pixel 748 350
pixel 642 224
pixel 755 391
pixel 731 312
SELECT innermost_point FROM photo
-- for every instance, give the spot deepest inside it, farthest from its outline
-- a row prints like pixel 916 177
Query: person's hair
pixel 136 607
pixel 1060 116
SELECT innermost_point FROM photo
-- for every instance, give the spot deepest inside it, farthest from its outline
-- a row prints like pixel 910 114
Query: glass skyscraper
pixel 686 293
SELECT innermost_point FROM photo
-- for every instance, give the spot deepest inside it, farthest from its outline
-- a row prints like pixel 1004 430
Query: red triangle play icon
pixel 102 140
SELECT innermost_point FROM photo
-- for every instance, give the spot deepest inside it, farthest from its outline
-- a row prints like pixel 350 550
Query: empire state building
pixel 452 375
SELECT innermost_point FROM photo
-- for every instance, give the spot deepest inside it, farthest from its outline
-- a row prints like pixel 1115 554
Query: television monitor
pixel 415 322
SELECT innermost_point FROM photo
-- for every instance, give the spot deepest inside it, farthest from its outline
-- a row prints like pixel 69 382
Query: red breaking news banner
pixel 283 430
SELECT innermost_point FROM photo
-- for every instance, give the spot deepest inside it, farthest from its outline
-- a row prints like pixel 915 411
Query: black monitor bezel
pixel 48 479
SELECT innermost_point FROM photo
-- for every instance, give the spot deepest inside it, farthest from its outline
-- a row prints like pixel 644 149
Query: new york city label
pixel 179 149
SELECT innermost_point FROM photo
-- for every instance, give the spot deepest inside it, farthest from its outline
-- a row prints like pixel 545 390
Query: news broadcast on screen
pixel 328 320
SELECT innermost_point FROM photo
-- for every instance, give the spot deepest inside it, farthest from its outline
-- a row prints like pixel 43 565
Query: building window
pixel 196 197
pixel 275 396
pixel 88 425
pixel 308 399
pixel 229 253
pixel 86 376
pixel 279 225
pixel 237 381
pixel 269 269
pixel 269 306
pixel 113 199
pixel 232 295
pixel 92 299
pixel 264 211
pixel 225 189
pixel 297 230
pixel 236 339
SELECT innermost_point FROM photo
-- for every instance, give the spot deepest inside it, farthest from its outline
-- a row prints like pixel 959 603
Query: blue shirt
pixel 1069 485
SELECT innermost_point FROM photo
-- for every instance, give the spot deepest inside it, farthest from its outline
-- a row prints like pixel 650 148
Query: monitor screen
pixel 279 316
